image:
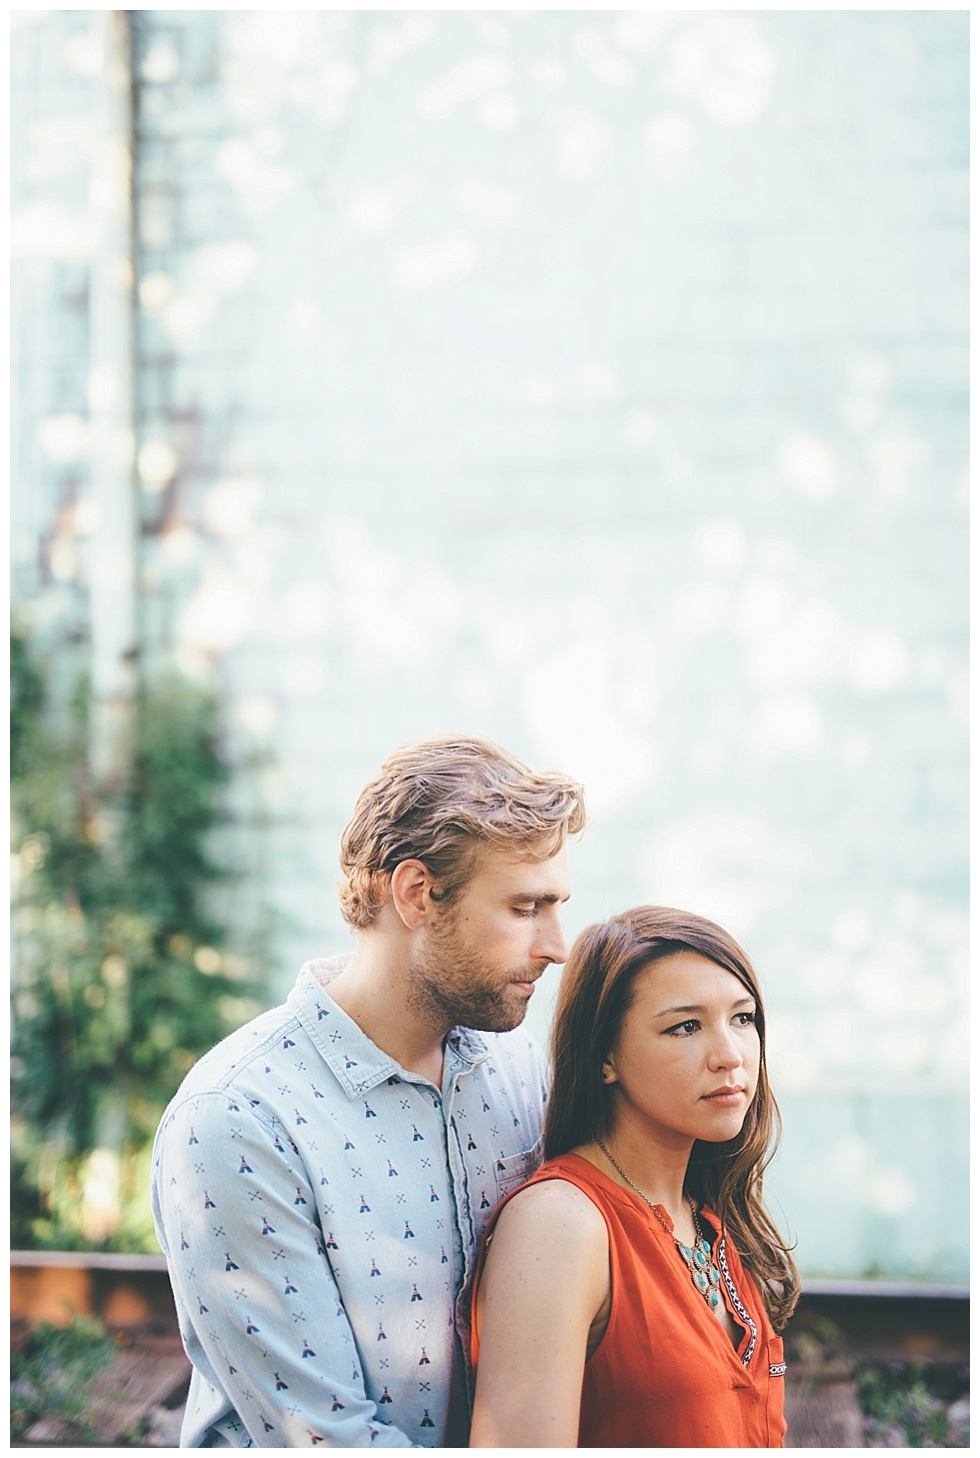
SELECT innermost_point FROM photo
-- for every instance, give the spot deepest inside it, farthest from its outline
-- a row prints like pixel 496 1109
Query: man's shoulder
pixel 275 1030
pixel 218 1070
pixel 278 1039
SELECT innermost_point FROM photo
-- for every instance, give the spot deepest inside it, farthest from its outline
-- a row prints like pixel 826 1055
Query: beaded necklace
pixel 704 1273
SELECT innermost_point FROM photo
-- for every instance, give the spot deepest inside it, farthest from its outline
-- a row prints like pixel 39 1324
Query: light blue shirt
pixel 321 1211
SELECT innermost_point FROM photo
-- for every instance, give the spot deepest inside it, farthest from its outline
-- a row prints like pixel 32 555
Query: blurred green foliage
pixel 911 1402
pixel 121 976
pixel 51 1374
pixel 917 1404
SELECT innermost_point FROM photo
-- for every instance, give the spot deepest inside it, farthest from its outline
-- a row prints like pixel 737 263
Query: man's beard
pixel 452 985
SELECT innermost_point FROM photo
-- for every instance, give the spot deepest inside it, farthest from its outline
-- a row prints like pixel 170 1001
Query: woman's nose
pixel 725 1052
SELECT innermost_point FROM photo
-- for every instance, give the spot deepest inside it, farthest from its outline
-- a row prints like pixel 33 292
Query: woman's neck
pixel 656 1171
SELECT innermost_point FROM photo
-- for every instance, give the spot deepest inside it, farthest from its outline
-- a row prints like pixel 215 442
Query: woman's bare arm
pixel 545 1278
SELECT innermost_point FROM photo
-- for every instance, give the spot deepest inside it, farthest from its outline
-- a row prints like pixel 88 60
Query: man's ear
pixel 411 884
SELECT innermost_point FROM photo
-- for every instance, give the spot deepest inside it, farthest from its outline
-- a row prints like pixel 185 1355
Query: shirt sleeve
pixel 237 1221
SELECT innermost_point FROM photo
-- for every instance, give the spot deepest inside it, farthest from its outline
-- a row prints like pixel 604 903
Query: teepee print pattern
pixel 303 1197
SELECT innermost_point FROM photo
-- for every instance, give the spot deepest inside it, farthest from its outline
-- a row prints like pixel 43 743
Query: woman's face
pixel 685 1064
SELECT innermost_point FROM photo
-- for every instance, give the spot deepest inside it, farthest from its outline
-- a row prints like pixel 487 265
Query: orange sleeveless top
pixel 665 1374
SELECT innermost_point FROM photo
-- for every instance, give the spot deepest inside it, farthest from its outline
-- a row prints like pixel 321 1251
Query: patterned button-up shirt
pixel 321 1210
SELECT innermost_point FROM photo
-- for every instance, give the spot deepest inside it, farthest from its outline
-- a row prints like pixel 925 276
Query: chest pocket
pixel 775 1421
pixel 514 1169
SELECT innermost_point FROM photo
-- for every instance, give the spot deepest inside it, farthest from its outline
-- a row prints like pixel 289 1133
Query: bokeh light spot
pixel 64 438
pixel 229 508
pixel 890 1191
pixel 670 140
pixel 161 64
pixel 850 930
pixel 157 464
pixel 304 675
pixel 258 714
pixel 720 546
pixel 787 724
pixel 499 112
pixel 218 616
pixel 472 78
pixel 808 464
pixel 308 608
pixel 437 263
pixel 877 661
pixel 582 141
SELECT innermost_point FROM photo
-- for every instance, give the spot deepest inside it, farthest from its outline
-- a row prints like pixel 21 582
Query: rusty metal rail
pixel 878 1320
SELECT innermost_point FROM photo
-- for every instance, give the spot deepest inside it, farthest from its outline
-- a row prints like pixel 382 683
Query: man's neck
pixel 373 989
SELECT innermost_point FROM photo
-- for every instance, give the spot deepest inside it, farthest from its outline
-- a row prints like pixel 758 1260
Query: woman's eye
pixel 745 1020
pixel 681 1030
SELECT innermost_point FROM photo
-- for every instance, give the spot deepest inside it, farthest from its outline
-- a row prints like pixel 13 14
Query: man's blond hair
pixel 444 801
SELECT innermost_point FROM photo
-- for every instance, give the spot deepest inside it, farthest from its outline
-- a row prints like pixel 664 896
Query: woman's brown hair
pixel 596 990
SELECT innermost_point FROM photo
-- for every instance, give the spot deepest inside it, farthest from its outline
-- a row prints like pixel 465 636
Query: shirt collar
pixel 357 1063
pixel 471 1046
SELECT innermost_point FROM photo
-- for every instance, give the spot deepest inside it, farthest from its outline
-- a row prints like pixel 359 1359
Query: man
pixel 323 1177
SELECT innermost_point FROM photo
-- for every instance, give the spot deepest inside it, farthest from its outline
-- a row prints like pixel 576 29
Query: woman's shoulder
pixel 552 1241
pixel 555 1198
pixel 577 1171
pixel 572 1167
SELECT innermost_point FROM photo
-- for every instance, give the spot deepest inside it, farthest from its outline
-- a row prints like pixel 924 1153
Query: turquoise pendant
pixel 705 1275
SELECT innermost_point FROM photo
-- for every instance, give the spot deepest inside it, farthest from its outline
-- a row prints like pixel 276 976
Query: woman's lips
pixel 725 1098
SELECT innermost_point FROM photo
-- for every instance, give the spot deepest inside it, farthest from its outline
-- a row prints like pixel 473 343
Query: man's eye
pixel 524 910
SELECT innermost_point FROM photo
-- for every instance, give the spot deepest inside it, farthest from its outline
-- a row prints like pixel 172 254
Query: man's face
pixel 477 961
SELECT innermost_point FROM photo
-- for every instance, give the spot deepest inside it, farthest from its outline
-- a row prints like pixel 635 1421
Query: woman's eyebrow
pixel 697 1007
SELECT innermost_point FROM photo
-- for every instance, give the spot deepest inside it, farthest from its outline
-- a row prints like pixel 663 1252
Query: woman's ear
pixel 609 1074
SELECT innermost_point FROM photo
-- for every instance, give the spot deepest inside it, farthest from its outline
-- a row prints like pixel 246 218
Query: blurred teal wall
pixel 595 381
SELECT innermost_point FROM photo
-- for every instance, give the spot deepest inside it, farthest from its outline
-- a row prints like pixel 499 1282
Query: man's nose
pixel 551 942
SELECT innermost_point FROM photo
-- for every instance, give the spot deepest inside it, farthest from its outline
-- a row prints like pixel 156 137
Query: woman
pixel 631 1290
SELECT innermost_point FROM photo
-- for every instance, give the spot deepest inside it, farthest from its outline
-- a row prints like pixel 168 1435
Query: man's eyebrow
pixel 547 899
pixel 697 1007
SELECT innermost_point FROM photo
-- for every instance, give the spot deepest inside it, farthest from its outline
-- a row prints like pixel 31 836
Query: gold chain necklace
pixel 704 1273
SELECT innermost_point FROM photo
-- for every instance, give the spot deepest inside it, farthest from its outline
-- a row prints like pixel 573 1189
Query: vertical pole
pixel 113 547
